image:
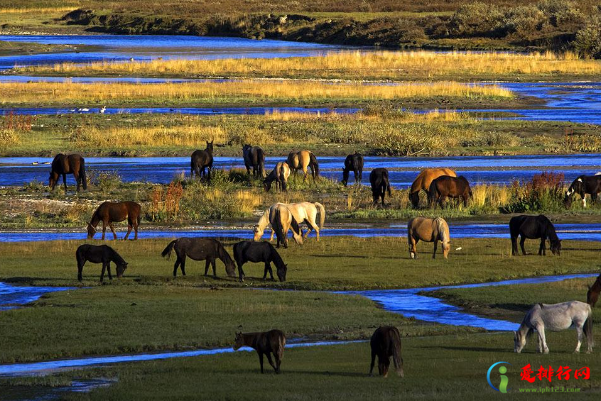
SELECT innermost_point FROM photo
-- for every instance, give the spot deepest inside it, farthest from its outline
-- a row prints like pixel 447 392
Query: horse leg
pixel 579 333
pixel 135 229
pixel 541 248
pixel 522 240
pixel 541 332
pixel 65 181
pixel 593 198
pixel 175 266
pixel 113 230
pixel 77 180
pixel 240 271
pixel 514 246
pixel 261 360
pixel 102 273
pixel 214 264
pixel 271 362
pixel 435 247
pixel 373 361
pixel 207 262
pixel 108 268
pixel 413 247
pixel 129 227
pixel 183 265
pixel 305 172
pixel 272 232
pixel 80 269
pixel 104 223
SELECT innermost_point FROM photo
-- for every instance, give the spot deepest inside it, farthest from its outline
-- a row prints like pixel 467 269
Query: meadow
pixel 354 65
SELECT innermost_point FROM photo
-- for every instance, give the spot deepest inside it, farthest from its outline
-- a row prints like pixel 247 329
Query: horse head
pixel 53 179
pixel 556 247
pixel 91 231
pixel 446 247
pixel 121 268
pixel 257 233
pixel 282 273
pixel 210 146
pixel 592 297
pixel 266 185
pixel 345 174
pixel 414 198
pixel 238 341
pixel 519 341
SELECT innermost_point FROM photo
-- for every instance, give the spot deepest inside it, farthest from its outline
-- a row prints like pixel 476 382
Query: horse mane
pixel 313 162
pixel 263 221
pixel 277 259
pixel 116 257
pixel 95 218
pixel 443 230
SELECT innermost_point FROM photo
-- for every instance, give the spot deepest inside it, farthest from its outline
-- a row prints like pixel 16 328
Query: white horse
pixel 556 317
pixel 303 212
pixel 280 219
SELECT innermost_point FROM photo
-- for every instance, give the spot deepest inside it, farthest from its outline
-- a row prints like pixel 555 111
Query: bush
pixel 588 41
pixel 544 192
pixel 106 181
pixel 476 19
pixel 523 20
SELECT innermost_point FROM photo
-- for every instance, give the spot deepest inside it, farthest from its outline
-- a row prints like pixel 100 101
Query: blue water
pixel 500 170
pixel 149 47
pixel 580 232
pixel 12 296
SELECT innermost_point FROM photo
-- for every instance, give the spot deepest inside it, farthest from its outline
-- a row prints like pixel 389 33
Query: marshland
pixel 505 95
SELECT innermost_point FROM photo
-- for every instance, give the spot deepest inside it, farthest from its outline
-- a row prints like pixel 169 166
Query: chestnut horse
pixel 109 212
pixel 592 296
pixel 428 230
pixel 448 187
pixel 99 254
pixel 68 164
pixel 301 160
pixel 202 159
pixel 267 343
pixel 386 343
pixel 423 181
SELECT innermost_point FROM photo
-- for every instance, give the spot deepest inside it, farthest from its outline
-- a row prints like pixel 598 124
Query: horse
pixel 380 184
pixel 584 184
pixel 428 230
pixel 533 227
pixel 353 162
pixel 447 186
pixel 386 343
pixel 301 160
pixel 199 249
pixel 109 212
pixel 592 296
pixel 306 212
pixel 423 181
pixel 68 164
pixel 279 174
pixel 254 157
pixel 556 317
pixel 249 251
pixel 280 218
pixel 202 159
pixel 267 343
pixel 99 254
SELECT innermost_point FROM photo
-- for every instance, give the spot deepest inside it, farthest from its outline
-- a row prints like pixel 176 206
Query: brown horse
pixel 248 251
pixel 448 187
pixel 301 160
pixel 428 230
pixel 68 164
pixel 423 181
pixel 99 254
pixel 202 159
pixel 386 343
pixel 109 212
pixel 592 296
pixel 266 343
pixel 279 174
pixel 200 249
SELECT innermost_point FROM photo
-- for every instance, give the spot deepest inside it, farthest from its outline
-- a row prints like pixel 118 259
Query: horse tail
pixel 261 161
pixel 588 326
pixel 432 193
pixel 314 164
pixel 281 345
pixel 443 229
pixel 387 183
pixel 322 214
pixel 167 251
pixel 82 174
pixel 395 340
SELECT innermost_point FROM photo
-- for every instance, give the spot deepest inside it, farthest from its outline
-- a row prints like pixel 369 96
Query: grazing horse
pixel 353 162
pixel 451 187
pixel 199 249
pixel 254 158
pixel 301 160
pixel 267 343
pixel 386 343
pixel 533 227
pixel 279 174
pixel 556 317
pixel 592 296
pixel 306 212
pixel 99 254
pixel 428 230
pixel 249 251
pixel 424 180
pixel 380 184
pixel 109 212
pixel 202 159
pixel 68 164
pixel 584 184
pixel 280 218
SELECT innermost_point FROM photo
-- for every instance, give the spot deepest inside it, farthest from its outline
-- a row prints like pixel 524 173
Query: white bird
pixel 103 109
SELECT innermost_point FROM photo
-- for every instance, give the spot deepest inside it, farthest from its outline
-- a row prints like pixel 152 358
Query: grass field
pixel 394 66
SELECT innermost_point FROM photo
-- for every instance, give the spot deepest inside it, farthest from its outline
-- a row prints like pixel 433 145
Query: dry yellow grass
pixel 233 91
pixel 351 65
pixel 490 195
pixel 36 10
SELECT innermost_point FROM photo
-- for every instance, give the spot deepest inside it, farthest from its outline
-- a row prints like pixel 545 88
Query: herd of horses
pixel 438 185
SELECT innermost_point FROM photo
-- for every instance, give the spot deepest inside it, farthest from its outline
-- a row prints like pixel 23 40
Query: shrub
pixel 106 181
pixel 588 41
pixel 523 20
pixel 544 192
pixel 476 19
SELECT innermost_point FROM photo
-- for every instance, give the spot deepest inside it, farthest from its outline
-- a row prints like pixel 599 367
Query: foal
pixel 266 343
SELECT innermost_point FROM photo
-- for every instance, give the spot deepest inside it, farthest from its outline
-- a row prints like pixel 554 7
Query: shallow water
pixel 581 232
pixel 501 170
pixel 149 47
pixel 12 297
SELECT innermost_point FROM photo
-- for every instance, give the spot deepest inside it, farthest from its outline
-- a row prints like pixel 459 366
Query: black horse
pixel 68 164
pixel 250 251
pixel 202 159
pixel 380 184
pixel 254 158
pixel 99 254
pixel 584 184
pixel 533 227
pixel 353 163
pixel 386 343
pixel 200 249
